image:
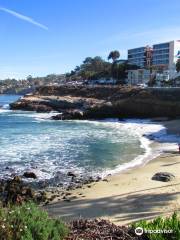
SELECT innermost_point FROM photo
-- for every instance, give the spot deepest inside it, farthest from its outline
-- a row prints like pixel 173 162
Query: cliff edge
pixel 99 102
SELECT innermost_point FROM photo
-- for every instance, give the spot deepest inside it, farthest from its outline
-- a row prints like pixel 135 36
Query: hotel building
pixel 140 56
pixel 165 56
pixel 161 59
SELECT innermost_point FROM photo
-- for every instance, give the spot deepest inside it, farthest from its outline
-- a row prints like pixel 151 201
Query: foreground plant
pixel 161 228
pixel 28 222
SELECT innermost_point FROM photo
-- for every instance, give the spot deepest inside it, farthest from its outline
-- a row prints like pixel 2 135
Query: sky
pixel 40 37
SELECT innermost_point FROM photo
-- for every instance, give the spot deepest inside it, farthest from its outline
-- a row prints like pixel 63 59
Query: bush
pixel 28 222
pixel 169 224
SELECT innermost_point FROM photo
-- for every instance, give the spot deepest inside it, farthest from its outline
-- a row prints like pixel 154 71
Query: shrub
pixel 169 224
pixel 28 222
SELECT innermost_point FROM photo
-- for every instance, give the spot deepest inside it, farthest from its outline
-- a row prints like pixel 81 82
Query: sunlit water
pixel 30 141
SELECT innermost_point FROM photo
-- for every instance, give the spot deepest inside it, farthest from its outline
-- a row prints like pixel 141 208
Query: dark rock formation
pixel 29 175
pixel 84 102
pixel 14 191
pixel 27 105
pixel 71 174
pixel 163 176
pixel 69 115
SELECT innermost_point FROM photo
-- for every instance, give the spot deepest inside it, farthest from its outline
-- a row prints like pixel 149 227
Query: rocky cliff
pixel 83 102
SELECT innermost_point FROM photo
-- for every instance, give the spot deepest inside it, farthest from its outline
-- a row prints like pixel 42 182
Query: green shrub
pixel 28 222
pixel 170 223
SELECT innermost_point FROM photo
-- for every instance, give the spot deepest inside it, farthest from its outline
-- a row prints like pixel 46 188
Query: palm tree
pixel 114 55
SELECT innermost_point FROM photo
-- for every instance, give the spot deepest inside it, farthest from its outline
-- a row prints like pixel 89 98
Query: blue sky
pixel 40 37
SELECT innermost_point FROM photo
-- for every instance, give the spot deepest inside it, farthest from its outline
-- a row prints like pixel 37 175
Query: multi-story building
pixel 161 59
pixel 165 56
pixel 136 56
pixel 142 57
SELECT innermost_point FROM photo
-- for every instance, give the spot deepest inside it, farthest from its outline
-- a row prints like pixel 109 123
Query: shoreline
pixel 142 127
pixel 130 195
pixel 127 196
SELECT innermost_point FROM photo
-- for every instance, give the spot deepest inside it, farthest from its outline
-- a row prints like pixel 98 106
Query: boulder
pixel 69 115
pixel 163 176
pixel 71 174
pixel 30 175
pixel 15 192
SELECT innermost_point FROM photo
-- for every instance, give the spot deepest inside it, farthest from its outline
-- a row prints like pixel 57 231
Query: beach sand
pixel 130 196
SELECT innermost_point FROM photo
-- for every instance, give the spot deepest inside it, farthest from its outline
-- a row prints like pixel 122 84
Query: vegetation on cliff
pixel 160 228
pixel 97 68
pixel 29 222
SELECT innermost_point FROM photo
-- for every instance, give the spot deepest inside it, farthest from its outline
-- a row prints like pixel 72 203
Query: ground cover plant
pixel 29 222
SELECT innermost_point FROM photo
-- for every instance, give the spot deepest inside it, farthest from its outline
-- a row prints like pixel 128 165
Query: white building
pixel 139 76
pixel 165 56
pixel 162 63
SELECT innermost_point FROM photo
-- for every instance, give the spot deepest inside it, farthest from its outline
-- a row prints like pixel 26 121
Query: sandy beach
pixel 129 196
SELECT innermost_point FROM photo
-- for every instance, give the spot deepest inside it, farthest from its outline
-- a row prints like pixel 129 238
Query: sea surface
pixel 30 141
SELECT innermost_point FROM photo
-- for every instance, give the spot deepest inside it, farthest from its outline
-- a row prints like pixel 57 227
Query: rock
pixel 41 197
pixel 163 176
pixel 105 180
pixel 68 194
pixel 69 115
pixel 29 175
pixel 15 192
pixel 25 104
pixel 98 179
pixel 99 102
pixel 71 174
pixel 67 200
pixel 17 179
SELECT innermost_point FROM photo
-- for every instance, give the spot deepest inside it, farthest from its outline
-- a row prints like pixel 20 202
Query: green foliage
pixel 97 68
pixel 169 223
pixel 91 68
pixel 114 55
pixel 28 222
pixel 178 66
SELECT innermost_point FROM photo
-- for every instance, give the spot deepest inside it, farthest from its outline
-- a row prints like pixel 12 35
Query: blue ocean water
pixel 30 141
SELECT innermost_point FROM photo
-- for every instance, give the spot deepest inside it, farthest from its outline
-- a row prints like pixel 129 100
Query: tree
pixel 114 55
pixel 178 65
pixel 29 78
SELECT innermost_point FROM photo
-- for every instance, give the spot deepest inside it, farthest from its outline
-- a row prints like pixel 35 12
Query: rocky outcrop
pixel 29 175
pixel 83 102
pixel 14 191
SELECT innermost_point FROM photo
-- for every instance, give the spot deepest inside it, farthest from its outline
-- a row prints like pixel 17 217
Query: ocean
pixel 30 141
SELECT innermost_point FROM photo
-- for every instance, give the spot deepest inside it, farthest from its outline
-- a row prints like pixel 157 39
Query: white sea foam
pixel 57 146
pixel 148 132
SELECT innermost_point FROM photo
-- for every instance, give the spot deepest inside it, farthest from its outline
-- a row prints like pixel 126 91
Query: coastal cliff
pixel 98 102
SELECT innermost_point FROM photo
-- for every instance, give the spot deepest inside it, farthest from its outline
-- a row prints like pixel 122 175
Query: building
pixel 138 77
pixel 136 56
pixel 160 59
pixel 165 56
pixel 142 57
